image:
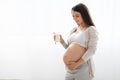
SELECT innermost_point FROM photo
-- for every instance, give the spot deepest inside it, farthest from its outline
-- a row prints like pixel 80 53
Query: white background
pixel 27 49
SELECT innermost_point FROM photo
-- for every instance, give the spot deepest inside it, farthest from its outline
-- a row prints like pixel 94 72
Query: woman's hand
pixel 72 66
pixel 60 38
pixel 76 64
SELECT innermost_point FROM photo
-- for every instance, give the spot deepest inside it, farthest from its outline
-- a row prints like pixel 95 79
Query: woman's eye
pixel 74 16
pixel 77 16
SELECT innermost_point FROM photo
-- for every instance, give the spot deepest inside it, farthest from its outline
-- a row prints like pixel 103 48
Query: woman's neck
pixel 83 26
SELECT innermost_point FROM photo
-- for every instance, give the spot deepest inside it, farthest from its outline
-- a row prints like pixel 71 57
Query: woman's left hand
pixel 72 66
pixel 76 64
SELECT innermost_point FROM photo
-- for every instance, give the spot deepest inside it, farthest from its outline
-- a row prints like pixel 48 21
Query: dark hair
pixel 83 10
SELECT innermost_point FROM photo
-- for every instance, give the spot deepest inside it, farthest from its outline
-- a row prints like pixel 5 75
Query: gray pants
pixel 81 73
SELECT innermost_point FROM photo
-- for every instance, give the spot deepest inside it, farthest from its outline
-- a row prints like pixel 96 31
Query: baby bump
pixel 74 52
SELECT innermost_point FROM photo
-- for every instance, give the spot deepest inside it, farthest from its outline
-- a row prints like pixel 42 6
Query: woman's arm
pixel 63 43
pixel 92 43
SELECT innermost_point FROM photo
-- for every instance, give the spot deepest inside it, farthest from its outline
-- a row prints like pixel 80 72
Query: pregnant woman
pixel 81 46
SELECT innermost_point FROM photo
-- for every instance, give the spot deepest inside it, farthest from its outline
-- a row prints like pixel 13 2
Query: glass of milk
pixel 56 37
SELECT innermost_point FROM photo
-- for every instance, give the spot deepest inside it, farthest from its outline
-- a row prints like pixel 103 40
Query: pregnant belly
pixel 73 53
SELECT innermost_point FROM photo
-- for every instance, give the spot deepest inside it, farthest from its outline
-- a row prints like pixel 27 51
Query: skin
pixel 78 19
pixel 81 24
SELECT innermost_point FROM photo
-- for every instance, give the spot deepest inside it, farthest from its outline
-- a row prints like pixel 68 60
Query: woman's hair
pixel 83 10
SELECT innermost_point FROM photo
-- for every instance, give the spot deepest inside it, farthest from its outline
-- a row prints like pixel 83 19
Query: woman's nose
pixel 75 19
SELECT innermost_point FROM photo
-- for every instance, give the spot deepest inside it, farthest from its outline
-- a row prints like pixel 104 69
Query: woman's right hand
pixel 61 39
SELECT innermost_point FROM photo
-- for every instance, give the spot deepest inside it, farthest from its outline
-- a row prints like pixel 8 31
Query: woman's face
pixel 77 17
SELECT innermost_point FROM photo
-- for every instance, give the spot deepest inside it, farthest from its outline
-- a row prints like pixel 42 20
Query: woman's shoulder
pixel 91 28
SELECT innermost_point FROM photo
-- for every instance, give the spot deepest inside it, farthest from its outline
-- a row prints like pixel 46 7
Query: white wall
pixel 27 49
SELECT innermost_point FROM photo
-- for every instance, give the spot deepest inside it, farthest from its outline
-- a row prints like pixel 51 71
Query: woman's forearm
pixel 64 44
